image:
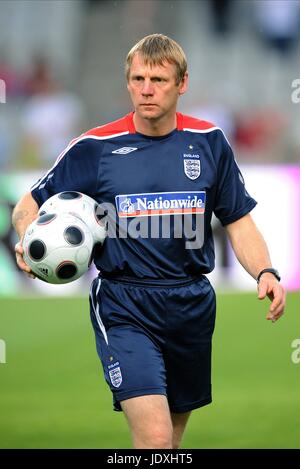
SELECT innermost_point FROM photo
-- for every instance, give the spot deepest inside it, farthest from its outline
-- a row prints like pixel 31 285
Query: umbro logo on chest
pixel 124 150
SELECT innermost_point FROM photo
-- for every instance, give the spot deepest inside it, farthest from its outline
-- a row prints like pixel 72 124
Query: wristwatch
pixel 272 271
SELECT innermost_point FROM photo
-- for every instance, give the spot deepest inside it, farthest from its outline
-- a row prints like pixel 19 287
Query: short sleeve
pixel 75 170
pixel 232 201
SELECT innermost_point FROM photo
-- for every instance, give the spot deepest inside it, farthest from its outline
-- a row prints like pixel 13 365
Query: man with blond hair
pixel 152 306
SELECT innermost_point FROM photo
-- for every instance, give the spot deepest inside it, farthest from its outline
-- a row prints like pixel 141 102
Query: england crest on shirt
pixel 192 166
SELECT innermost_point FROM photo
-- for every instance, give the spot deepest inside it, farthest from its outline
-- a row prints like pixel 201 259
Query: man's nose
pixel 147 89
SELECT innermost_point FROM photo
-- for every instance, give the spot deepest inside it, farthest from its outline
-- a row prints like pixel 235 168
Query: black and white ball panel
pixel 73 235
pixel 45 218
pixel 69 195
pixel 66 270
pixel 37 250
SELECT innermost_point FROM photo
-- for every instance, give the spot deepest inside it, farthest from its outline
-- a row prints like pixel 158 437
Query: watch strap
pixel 271 271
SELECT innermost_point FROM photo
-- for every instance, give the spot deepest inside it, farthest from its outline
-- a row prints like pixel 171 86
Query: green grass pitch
pixel 53 395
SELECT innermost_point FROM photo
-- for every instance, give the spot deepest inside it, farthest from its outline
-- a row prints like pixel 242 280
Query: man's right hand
pixel 24 213
pixel 20 261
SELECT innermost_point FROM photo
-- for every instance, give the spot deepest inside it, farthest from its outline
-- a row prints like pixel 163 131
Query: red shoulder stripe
pixel 120 126
pixel 191 123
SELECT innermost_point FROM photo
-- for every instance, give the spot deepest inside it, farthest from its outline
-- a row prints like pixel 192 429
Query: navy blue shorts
pixel 155 339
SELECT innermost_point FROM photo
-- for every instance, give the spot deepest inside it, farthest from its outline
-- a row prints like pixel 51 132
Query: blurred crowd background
pixel 62 72
pixel 62 64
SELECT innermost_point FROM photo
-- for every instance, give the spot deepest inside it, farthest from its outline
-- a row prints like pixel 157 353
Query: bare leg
pixel 179 421
pixel 149 420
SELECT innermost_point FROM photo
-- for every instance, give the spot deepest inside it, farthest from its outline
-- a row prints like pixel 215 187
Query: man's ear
pixel 183 86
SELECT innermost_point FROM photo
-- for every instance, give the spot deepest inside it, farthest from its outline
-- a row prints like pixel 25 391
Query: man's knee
pixel 176 444
pixel 157 437
pixel 150 421
pixel 179 421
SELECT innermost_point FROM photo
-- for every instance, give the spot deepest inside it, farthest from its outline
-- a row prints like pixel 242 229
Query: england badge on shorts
pixel 192 167
pixel 115 376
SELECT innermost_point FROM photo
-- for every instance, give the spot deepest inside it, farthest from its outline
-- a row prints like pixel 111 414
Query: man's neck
pixel 154 127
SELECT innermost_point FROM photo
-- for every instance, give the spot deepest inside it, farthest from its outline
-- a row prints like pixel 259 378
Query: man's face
pixel 153 89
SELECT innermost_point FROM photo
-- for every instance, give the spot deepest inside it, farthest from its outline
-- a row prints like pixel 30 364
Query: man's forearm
pixel 249 245
pixel 24 213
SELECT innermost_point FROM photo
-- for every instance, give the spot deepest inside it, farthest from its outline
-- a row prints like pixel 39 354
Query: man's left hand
pixel 269 286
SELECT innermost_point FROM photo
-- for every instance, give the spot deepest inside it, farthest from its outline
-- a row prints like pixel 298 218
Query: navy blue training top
pixel 151 186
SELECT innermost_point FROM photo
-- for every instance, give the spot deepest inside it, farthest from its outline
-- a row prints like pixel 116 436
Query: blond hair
pixel 156 49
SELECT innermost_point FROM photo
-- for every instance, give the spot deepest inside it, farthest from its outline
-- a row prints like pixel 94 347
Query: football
pixel 81 205
pixel 58 247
